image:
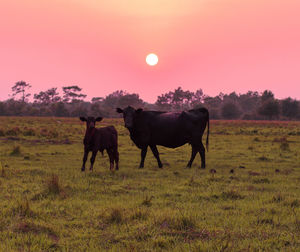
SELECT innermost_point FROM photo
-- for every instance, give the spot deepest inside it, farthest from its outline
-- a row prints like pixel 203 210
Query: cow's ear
pixel 139 110
pixel 98 119
pixel 82 119
pixel 119 110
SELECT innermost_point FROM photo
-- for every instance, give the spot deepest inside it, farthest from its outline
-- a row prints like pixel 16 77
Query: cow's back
pixel 169 129
pixel 107 137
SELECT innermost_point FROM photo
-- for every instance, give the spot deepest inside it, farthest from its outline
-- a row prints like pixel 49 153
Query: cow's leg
pixel 116 156
pixel 93 159
pixel 193 155
pixel 110 153
pixel 202 155
pixel 156 155
pixel 143 156
pixel 85 156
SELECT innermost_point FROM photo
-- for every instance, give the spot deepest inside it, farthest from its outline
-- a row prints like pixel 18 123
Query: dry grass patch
pixel 231 195
pixel 16 151
pixel 140 214
pixel 22 209
pixel 278 198
pixel 53 187
pixel 147 201
pixel 116 215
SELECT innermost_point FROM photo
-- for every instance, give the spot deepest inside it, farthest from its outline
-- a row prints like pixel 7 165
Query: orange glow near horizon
pixel 219 46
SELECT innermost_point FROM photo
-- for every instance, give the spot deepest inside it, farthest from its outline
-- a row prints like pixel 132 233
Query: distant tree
pixel 269 109
pixel 97 99
pixel 177 99
pixel 122 99
pixel 47 97
pixel 214 113
pixel 43 110
pixel 163 102
pixel 230 111
pixel 249 102
pixel 95 108
pixel 31 111
pixel 290 108
pixel 41 97
pixel 59 109
pixel 232 97
pixel 21 87
pixel 212 102
pixel 15 108
pixel 72 94
pixel 267 95
pixel 130 99
pixel 197 98
pixel 182 99
pixel 2 109
pixel 79 109
pixel 53 95
pixel 221 96
pixel 112 99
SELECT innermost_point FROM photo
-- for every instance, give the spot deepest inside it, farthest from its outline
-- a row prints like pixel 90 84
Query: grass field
pixel 251 203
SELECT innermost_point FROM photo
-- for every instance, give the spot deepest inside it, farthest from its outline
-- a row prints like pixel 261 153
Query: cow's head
pixel 90 121
pixel 129 114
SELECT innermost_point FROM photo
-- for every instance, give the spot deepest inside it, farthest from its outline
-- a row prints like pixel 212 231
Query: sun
pixel 152 59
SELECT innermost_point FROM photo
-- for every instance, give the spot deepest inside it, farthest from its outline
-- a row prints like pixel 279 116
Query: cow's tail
pixel 207 130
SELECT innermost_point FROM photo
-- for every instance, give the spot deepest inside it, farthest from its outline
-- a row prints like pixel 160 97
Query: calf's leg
pixel 110 153
pixel 143 156
pixel 116 156
pixel 85 156
pixel 156 155
pixel 93 159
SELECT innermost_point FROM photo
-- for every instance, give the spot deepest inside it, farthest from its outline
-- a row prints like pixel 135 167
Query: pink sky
pixel 216 45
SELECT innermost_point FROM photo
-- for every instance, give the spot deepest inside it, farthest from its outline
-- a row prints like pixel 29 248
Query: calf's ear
pixel 82 119
pixel 98 119
pixel 139 110
pixel 119 110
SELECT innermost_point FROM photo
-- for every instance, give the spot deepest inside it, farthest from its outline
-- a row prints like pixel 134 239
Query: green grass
pixel 251 203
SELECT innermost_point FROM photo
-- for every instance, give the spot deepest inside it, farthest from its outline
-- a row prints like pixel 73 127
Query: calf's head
pixel 129 115
pixel 90 121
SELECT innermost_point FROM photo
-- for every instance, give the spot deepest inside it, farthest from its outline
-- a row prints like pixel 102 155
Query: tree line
pixel 71 103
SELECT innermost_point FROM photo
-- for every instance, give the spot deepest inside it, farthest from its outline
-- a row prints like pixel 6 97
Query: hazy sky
pixel 101 45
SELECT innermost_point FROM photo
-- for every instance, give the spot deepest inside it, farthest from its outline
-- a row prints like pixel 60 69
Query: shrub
pixel 29 132
pixel 147 201
pixel 232 195
pixel 54 187
pixel 16 151
pixel 115 216
pixel 13 132
pixel 285 146
pixel 180 222
pixel 277 198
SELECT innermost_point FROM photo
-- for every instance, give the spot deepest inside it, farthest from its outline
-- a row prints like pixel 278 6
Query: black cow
pixel 100 139
pixel 169 129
